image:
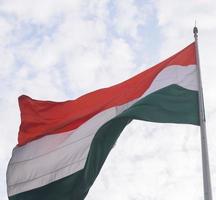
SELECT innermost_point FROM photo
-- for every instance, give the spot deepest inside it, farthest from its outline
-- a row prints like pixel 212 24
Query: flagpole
pixel 204 145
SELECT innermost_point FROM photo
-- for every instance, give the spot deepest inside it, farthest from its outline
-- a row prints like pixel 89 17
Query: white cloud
pixel 38 11
pixel 128 17
pixel 55 50
pixel 167 161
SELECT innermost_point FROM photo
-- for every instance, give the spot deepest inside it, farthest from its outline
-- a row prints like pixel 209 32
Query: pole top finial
pixel 195 30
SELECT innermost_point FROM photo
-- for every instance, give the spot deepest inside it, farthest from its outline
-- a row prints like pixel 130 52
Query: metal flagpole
pixel 204 145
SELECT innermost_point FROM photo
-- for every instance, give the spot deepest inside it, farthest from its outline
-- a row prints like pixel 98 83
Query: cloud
pixel 165 161
pixel 128 17
pixel 26 10
pixel 58 50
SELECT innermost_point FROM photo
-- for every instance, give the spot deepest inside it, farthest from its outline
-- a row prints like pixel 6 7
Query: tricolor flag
pixel 63 145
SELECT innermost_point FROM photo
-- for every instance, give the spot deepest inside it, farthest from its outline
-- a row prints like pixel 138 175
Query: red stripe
pixel 39 118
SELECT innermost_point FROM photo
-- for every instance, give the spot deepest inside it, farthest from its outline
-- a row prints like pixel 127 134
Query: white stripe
pixel 39 166
pixel 58 155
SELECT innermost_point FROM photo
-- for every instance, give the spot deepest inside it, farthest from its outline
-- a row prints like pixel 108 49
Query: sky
pixel 60 49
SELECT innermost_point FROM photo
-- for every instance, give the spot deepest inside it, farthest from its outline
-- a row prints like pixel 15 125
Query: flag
pixel 63 145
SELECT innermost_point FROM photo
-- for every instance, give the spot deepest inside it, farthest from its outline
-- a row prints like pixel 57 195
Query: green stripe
pixel 172 104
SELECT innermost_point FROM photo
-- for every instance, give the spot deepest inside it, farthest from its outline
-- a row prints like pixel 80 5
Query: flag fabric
pixel 63 145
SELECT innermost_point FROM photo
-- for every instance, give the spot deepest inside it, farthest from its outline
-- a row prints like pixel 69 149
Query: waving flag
pixel 63 145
